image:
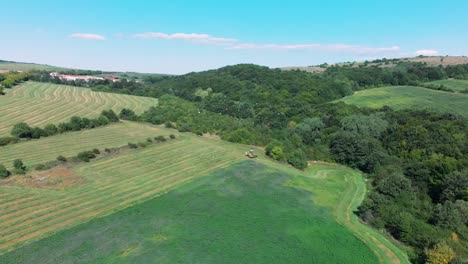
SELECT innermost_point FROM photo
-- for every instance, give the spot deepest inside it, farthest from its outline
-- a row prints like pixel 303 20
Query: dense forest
pixel 416 161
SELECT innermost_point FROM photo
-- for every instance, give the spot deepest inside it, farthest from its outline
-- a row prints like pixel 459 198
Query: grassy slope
pixel 403 97
pixel 39 104
pixel 456 85
pixel 27 215
pixel 47 149
pixel 111 183
pixel 18 66
pixel 241 214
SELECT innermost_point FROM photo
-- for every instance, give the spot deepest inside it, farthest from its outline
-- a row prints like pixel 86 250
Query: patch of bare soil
pixel 57 178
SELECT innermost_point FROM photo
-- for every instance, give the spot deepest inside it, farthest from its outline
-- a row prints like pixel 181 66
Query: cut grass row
pixel 71 143
pixel 39 104
pixel 411 97
pixel 124 180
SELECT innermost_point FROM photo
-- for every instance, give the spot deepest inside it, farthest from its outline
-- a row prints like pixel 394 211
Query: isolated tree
pixel 3 171
pixel 19 166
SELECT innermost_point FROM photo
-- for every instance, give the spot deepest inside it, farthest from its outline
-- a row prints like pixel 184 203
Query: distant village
pixel 86 78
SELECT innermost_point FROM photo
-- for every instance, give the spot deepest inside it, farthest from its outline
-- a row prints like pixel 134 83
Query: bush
pixel 185 128
pixel 160 138
pixel 107 150
pixel 199 133
pixel 132 145
pixel 86 156
pixel 128 114
pixel 111 115
pixel 40 167
pixel 168 124
pixel 19 166
pixel 22 130
pixel 8 140
pixel 96 151
pixel 149 140
pixel 298 159
pixel 61 158
pixel 3 171
pixel 172 136
pixel 142 144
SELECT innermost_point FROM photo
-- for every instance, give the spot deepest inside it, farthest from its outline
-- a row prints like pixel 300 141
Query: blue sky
pixel 181 36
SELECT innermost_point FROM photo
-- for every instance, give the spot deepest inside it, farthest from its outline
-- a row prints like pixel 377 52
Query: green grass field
pixel 39 104
pixel 404 97
pixel 453 84
pixel 241 214
pixel 69 144
pixel 262 209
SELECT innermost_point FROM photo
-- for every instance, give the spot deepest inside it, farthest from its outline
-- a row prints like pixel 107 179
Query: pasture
pixel 69 144
pixel 406 97
pixel 453 84
pixel 38 104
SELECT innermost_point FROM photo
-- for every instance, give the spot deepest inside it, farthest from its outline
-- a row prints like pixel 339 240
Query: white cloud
pixel 192 37
pixel 87 36
pixel 314 47
pixel 427 52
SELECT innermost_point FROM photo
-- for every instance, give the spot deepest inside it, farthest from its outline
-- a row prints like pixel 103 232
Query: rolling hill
pixel 410 97
pixel 39 104
pixel 196 191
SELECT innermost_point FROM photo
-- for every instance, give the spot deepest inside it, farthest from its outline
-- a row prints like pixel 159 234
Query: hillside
pixel 410 97
pixel 386 63
pixel 214 204
pixel 39 104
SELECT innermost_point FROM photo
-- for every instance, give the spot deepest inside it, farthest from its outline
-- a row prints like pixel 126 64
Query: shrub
pixel 40 167
pixel 50 129
pixel 160 138
pixel 168 124
pixel 149 140
pixel 172 136
pixel 128 114
pixel 86 156
pixel 8 140
pixel 132 145
pixel 142 144
pixel 108 150
pixel 111 115
pixel 19 166
pixel 185 128
pixel 21 130
pixel 297 159
pixel 3 171
pixel 199 133
pixel 96 151
pixel 61 158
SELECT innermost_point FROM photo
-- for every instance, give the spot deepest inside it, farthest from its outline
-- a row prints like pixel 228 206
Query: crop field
pixel 453 84
pixel 110 183
pixel 39 104
pixel 405 97
pixel 69 144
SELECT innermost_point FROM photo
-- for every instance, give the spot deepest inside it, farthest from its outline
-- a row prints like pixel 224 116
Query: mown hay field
pixel 38 104
pixel 410 97
pixel 109 184
pixel 69 144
